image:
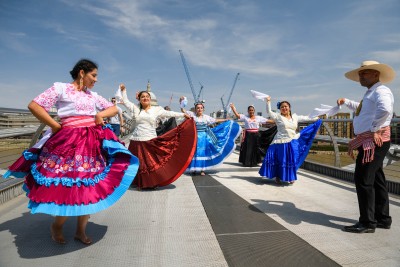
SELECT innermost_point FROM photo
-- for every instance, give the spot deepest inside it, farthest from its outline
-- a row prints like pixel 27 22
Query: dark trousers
pixel 372 194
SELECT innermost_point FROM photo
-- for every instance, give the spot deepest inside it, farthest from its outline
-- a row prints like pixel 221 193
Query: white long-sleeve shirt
pixel 146 120
pixel 376 111
pixel 286 127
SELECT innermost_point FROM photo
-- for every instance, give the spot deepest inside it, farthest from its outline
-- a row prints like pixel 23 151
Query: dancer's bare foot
pixel 56 234
pixel 278 181
pixel 202 173
pixel 83 239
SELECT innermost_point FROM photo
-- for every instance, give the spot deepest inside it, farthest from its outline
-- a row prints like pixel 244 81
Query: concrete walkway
pixel 169 227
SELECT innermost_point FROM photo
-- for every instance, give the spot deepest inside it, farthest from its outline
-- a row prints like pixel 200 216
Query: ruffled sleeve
pixel 162 113
pixel 132 107
pixel 261 120
pixel 209 120
pixel 101 102
pixel 272 114
pixel 49 98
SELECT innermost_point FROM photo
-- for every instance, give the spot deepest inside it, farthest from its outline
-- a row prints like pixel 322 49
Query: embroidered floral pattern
pixel 78 163
pixel 67 98
pixel 67 181
pixel 48 98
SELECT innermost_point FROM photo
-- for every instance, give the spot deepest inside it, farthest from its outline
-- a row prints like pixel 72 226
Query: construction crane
pixel 196 98
pixel 223 104
pixel 224 107
pixel 170 100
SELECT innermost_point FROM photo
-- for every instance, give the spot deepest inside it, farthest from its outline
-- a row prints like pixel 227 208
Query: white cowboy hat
pixel 387 74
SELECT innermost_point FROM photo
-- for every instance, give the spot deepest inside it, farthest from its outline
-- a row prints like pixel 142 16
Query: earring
pixel 81 83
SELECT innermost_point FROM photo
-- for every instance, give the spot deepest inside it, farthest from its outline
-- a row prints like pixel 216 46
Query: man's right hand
pixel 341 101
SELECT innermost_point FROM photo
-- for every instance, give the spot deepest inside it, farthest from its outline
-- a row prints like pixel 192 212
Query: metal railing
pixel 332 160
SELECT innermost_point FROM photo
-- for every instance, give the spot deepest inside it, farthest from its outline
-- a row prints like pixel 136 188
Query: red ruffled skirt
pixel 163 159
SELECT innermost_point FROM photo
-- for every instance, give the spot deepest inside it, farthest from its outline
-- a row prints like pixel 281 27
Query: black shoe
pixel 383 226
pixel 358 228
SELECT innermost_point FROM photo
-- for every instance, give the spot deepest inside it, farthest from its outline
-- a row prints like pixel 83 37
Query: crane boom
pixel 233 87
pixel 188 76
pixel 230 95
pixel 201 89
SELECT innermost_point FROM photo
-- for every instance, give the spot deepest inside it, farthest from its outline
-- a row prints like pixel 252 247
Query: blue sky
pixel 293 50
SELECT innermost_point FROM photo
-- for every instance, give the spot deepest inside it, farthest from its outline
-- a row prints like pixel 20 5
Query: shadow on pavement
pixel 33 239
pixel 288 212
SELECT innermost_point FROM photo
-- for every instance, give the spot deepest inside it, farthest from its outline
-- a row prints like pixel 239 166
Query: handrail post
pixel 335 145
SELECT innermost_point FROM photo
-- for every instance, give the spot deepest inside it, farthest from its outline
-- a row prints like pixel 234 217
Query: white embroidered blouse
pixel 146 120
pixel 208 120
pixel 70 102
pixel 252 123
pixel 286 127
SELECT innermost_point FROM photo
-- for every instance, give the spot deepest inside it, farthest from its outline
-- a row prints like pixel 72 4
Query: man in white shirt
pixel 117 121
pixel 372 129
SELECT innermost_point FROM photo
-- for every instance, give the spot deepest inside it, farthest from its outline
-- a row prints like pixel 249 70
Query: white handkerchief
pixel 118 95
pixel 324 109
pixel 183 102
pixel 259 95
pixel 43 140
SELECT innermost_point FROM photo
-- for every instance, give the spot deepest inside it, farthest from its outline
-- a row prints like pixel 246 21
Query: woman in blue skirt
pixel 288 149
pixel 215 144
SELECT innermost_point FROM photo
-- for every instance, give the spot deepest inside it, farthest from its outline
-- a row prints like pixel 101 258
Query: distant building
pixel 154 101
pixel 395 131
pixel 339 128
pixel 17 120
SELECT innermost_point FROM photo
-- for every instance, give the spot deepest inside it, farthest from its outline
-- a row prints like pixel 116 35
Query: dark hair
pixel 139 95
pixel 280 103
pixel 198 103
pixel 251 106
pixel 84 64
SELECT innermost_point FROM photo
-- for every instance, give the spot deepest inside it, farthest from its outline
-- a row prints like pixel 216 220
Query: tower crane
pixel 224 107
pixel 196 98
pixel 223 104
pixel 201 89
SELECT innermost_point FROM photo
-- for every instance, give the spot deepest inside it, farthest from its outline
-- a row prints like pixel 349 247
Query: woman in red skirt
pixel 163 159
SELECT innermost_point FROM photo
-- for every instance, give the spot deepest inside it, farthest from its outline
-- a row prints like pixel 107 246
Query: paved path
pixel 169 226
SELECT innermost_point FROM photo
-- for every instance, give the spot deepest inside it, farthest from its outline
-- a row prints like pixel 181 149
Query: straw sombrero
pixel 387 74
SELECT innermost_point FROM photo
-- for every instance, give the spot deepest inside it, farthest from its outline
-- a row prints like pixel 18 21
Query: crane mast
pixel 233 87
pixel 188 76
pixel 230 95
pixel 201 89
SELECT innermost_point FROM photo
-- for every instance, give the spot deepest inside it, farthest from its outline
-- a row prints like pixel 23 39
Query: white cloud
pixel 16 41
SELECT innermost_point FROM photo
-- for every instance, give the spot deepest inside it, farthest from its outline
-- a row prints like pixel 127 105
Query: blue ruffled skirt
pixel 214 145
pixel 283 160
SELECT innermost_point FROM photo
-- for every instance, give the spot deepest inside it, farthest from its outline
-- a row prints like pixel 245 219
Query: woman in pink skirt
pixel 82 168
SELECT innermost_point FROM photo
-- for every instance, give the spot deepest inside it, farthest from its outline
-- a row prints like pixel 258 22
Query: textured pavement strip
pixel 165 227
pixel 316 208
